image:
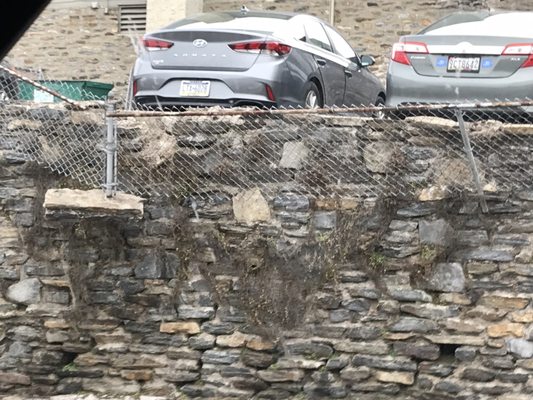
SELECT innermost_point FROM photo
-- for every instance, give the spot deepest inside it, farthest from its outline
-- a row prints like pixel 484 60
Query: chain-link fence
pixel 355 152
pixel 423 151
pixel 57 124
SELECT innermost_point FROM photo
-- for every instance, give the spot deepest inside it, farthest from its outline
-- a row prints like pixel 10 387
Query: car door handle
pixel 348 73
pixel 321 62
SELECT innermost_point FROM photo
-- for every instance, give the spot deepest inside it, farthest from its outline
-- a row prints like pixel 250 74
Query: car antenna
pixel 244 9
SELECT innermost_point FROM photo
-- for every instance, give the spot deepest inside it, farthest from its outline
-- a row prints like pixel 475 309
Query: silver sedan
pixel 465 56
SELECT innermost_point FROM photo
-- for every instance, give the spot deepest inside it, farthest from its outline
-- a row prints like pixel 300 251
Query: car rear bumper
pixel 176 103
pixel 405 86
pixel 227 88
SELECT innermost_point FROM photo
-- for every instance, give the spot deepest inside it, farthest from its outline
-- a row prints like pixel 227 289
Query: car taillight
pixel 270 93
pixel 400 50
pixel 152 44
pixel 135 88
pixel 273 48
pixel 520 49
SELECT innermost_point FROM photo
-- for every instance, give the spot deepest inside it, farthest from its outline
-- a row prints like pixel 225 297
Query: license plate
pixel 195 88
pixel 463 64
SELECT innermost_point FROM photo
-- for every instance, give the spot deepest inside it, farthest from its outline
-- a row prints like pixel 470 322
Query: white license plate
pixel 195 88
pixel 463 64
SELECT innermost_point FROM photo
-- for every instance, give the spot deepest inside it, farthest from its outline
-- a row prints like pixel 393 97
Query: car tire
pixel 313 96
pixel 380 102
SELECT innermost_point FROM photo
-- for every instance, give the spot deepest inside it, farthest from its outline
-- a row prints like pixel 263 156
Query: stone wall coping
pixel 92 201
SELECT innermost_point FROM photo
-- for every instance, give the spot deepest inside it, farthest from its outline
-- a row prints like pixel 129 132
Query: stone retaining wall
pixel 371 300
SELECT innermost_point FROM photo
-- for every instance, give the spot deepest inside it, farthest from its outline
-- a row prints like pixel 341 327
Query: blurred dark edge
pixel 16 19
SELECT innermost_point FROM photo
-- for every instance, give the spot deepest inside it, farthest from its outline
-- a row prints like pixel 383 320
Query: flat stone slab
pixel 90 203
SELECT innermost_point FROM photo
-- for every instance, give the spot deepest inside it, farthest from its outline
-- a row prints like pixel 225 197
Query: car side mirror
pixel 367 61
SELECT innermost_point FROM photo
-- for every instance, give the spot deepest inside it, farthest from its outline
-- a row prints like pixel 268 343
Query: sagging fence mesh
pixel 424 151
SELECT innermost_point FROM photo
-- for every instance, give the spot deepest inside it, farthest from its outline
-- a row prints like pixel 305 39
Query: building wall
pixel 161 12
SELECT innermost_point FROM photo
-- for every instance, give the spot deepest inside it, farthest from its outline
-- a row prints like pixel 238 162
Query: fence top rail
pixel 479 105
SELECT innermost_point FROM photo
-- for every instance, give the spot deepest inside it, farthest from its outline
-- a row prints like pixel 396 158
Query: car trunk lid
pixel 202 50
pixel 465 56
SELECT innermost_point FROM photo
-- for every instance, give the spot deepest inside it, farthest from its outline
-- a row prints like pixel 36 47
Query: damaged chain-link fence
pixel 423 151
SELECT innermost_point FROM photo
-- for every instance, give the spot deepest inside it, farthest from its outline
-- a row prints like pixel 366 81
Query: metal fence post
pixel 471 160
pixel 110 149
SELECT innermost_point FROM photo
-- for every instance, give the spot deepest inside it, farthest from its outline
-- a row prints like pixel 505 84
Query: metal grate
pixel 132 17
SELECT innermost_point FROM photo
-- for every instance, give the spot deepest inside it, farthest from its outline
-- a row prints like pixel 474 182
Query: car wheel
pixel 313 97
pixel 380 102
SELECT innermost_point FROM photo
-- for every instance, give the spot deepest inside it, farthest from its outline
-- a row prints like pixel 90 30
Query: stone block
pixel 181 377
pixel 325 220
pixel 273 376
pixel 486 313
pixel 411 324
pixel 521 348
pixel 419 350
pixel 137 375
pixel 236 339
pixel 378 390
pixel 381 157
pixel 402 294
pixel 109 386
pixel 446 277
pixel 478 375
pixel 257 359
pixel 191 312
pixel 220 356
pixel 14 378
pixel 505 302
pixel 297 362
pixel 291 202
pixel 373 348
pixel 190 328
pixel 464 326
pixel 384 362
pixel 359 374
pixel 363 332
pixel 203 341
pixel 294 155
pixel 456 339
pixel 308 348
pixel 251 207
pixel 430 311
pixel 404 378
pixel 260 344
pixel 506 329
pixel 218 328
pixel 27 291
pixel 437 233
pixel 525 316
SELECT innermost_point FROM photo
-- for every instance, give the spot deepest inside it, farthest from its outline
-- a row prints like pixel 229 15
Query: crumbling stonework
pixel 356 299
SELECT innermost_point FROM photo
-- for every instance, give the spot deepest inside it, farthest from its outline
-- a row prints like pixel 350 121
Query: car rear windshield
pixel 517 24
pixel 264 22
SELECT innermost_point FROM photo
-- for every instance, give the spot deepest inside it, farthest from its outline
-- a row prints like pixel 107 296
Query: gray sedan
pixel 466 56
pixel 249 58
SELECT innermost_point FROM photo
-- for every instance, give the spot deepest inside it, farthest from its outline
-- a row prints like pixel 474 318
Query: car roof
pixel 484 23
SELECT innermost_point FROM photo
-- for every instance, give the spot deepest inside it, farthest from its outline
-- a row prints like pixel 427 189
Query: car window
pixel 316 35
pixel 506 25
pixel 341 46
pixel 294 29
